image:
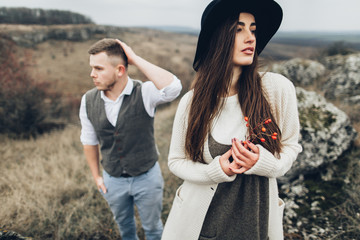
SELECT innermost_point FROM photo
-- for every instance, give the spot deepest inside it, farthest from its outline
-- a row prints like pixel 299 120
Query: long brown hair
pixel 211 84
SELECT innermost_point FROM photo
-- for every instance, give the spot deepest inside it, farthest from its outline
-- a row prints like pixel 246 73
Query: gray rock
pixel 301 72
pixel 11 235
pixel 355 100
pixel 344 79
pixel 326 133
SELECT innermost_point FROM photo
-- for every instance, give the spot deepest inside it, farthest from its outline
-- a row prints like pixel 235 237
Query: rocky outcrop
pixel 326 133
pixel 316 181
pixel 302 72
pixel 29 36
pixel 319 184
pixel 5 234
pixel 343 81
pixel 338 76
pixel 40 16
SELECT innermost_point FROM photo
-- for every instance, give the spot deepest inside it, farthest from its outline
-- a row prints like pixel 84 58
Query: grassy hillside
pixel 66 64
pixel 47 191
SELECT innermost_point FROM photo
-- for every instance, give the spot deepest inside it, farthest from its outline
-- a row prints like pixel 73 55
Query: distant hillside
pixel 318 39
pixel 60 55
pixel 299 39
pixel 176 29
pixel 287 45
pixel 41 17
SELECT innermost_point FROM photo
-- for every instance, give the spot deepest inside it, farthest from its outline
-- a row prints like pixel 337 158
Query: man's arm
pixel 92 156
pixel 160 77
pixel 90 145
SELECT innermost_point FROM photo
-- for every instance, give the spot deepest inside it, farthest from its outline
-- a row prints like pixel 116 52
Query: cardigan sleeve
pixel 183 167
pixel 282 97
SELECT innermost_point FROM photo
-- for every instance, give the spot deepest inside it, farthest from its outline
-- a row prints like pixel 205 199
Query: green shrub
pixel 336 48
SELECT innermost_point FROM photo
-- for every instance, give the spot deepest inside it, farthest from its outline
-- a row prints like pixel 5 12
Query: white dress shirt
pixel 151 96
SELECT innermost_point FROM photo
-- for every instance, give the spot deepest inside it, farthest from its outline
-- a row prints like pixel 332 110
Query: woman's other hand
pixel 226 165
pixel 245 155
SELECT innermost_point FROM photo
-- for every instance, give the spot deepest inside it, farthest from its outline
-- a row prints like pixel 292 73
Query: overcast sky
pixel 299 15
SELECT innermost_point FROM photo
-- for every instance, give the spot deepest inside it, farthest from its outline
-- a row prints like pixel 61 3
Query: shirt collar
pixel 127 91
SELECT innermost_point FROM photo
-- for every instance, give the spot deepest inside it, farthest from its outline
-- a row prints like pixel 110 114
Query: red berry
pixel 247 125
pixel 246 119
pixel 263 129
pixel 262 139
pixel 275 134
pixel 269 120
pixel 274 137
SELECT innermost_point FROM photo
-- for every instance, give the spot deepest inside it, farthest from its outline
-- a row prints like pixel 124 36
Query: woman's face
pixel 245 41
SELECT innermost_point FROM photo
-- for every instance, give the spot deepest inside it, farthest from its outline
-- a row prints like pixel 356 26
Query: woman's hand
pixel 245 155
pixel 226 165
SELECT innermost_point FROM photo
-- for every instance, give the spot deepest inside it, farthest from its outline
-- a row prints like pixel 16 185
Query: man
pixel 118 116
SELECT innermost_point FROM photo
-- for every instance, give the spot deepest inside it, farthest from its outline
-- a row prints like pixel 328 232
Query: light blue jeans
pixel 146 192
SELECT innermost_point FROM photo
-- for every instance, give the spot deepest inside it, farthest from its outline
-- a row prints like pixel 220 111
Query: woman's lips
pixel 248 50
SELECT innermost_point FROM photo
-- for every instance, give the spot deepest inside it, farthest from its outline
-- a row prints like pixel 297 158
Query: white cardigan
pixel 194 196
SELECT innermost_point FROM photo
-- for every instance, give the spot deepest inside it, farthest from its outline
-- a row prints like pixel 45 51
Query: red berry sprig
pixel 264 131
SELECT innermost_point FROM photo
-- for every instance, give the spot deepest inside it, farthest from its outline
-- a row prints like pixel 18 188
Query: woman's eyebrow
pixel 243 24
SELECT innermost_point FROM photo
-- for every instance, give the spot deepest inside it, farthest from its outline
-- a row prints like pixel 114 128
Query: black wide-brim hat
pixel 268 16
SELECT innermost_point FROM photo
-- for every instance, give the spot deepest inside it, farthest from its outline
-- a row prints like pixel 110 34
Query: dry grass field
pixel 66 64
pixel 47 191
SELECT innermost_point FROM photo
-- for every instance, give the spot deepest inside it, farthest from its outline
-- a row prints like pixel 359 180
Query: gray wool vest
pixel 129 147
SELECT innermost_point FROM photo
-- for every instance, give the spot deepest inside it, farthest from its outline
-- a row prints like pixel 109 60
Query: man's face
pixel 103 72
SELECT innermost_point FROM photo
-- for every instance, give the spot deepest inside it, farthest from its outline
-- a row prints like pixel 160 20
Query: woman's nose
pixel 250 37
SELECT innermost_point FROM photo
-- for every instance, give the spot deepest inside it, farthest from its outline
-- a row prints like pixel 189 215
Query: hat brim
pixel 268 16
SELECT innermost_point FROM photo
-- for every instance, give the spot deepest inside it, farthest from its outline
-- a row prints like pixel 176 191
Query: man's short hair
pixel 111 47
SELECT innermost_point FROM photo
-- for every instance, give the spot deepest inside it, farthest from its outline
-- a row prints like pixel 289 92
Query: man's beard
pixel 110 86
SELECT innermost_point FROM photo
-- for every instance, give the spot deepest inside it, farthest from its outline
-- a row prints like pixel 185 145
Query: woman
pixel 234 132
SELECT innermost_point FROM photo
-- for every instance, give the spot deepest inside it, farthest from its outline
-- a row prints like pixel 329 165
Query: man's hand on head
pixel 130 54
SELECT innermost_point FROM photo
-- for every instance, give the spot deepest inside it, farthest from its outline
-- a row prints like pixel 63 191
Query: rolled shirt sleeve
pixel 88 134
pixel 153 97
